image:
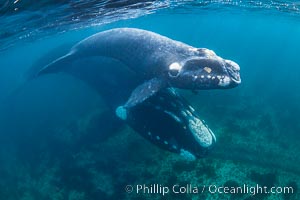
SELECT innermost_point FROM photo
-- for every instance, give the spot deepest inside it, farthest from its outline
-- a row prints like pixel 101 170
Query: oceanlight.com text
pixel 211 189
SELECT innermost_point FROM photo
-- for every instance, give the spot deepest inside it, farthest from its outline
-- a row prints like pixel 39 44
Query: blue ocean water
pixel 53 146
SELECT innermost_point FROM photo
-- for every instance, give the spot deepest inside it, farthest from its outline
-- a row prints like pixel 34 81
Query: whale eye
pixel 173 73
pixel 174 69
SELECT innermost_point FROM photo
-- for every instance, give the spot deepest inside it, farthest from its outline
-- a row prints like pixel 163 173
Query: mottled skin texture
pixel 152 57
pixel 144 52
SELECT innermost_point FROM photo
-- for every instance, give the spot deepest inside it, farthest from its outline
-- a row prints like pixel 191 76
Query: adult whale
pixel 159 62
pixel 165 119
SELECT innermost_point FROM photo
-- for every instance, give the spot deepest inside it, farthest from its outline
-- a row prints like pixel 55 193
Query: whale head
pixel 205 70
pixel 169 122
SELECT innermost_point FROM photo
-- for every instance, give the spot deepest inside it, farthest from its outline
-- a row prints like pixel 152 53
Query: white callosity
pixel 172 115
pixel 224 81
pixel 233 64
pixel 161 140
pixel 175 66
pixel 209 53
pixel 187 155
pixel 201 132
pixel 174 69
pixel 191 108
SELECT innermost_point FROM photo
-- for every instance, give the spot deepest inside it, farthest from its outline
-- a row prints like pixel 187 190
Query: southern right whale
pixel 159 62
pixel 165 119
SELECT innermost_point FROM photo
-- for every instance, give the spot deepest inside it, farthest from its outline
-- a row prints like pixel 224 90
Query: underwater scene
pixel 113 100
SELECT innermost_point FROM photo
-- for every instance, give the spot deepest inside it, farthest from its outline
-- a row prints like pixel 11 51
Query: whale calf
pixel 159 62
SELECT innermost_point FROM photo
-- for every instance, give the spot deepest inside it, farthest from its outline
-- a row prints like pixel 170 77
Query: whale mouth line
pixel 235 79
pixel 233 70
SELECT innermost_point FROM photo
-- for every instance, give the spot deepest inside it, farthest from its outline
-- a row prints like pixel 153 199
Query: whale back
pixel 144 52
